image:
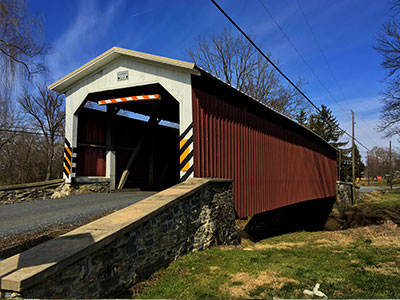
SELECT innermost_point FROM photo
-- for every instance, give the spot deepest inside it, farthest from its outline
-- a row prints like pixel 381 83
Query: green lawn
pixel 355 263
pixel 382 198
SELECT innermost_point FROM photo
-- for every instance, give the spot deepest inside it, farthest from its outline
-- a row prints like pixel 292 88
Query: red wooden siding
pixel 91 161
pixel 271 165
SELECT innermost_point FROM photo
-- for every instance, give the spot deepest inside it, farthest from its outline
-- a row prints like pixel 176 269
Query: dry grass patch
pixel 374 196
pixel 333 240
pixel 214 269
pixel 386 269
pixel 241 284
pixel 280 246
pixel 228 247
pixel 386 234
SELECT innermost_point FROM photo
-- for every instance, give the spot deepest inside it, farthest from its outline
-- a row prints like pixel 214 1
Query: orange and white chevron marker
pixel 132 98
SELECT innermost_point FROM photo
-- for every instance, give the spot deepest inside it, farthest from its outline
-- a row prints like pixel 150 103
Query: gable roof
pixel 62 85
pixel 259 107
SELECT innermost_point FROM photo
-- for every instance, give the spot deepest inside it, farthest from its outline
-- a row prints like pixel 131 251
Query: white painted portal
pixel 173 78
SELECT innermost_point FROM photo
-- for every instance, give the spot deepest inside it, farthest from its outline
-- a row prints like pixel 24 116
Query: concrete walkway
pixel 31 217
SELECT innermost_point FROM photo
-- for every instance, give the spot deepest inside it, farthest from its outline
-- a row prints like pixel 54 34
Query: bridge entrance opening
pixel 129 138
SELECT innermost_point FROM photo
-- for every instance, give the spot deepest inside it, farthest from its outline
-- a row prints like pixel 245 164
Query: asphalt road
pixel 367 189
pixel 31 217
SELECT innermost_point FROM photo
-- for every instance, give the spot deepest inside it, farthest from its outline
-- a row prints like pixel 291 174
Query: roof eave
pixel 267 107
pixel 62 85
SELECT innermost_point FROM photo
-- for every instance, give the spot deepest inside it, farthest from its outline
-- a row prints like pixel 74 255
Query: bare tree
pixel 232 59
pixel 7 117
pixel 19 43
pixel 379 162
pixel 45 109
pixel 388 45
pixel 23 159
pixel 20 48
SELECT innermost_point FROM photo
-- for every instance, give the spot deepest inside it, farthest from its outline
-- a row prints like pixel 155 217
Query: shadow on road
pixel 46 254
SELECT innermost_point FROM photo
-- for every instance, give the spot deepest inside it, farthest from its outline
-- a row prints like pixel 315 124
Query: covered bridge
pixel 140 120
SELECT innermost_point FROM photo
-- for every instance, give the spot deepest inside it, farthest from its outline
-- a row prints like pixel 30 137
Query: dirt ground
pixel 363 214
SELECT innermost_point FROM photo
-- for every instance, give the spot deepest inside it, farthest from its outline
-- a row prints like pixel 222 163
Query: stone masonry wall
pixel 59 190
pixel 344 194
pixel 198 221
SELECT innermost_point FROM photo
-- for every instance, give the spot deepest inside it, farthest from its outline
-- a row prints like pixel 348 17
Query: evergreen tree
pixel 345 167
pixel 302 118
pixel 326 126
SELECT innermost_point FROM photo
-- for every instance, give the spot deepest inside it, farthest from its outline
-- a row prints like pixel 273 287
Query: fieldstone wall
pixel 340 217
pixel 52 191
pixel 67 189
pixel 344 194
pixel 197 220
pixel 25 195
pixel 28 192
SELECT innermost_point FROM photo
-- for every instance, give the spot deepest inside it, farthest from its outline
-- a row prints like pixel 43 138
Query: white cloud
pixel 366 115
pixel 367 134
pixel 362 106
pixel 73 47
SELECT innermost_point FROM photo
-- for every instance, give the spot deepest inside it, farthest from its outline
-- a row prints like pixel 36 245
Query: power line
pixel 322 52
pixel 308 65
pixel 324 57
pixel 276 68
pixel 300 55
pixel 26 132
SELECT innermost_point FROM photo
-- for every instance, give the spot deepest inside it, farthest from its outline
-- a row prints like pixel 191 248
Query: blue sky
pixel 79 30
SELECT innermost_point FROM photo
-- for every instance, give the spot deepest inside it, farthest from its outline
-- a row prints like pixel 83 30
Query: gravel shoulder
pixel 31 217
pixel 18 243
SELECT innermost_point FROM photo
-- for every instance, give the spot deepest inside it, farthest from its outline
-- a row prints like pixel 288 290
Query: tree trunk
pixel 50 156
pixel 48 163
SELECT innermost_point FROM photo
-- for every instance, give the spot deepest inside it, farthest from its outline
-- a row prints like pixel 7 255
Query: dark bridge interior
pixel 147 149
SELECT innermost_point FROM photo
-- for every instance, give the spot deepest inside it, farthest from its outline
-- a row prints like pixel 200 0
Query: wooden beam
pixel 164 171
pixel 152 122
pixel 110 150
pixel 91 145
pixel 151 166
pixel 125 174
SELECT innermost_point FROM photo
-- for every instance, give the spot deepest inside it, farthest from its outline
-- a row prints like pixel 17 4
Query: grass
pixel 357 263
pixel 361 262
pixel 388 198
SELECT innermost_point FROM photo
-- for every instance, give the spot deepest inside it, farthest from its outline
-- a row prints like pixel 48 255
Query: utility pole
pixel 340 163
pixel 353 158
pixel 390 164
pixel 368 166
